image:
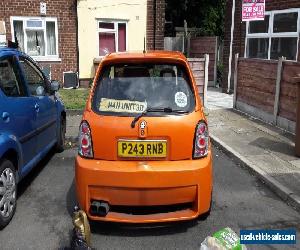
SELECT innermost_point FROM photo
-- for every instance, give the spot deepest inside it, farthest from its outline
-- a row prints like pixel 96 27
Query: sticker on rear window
pixel 122 106
pixel 181 99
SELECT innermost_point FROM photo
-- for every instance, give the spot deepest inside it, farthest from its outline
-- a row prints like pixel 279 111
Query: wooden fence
pixel 199 47
pixel 174 43
pixel 267 89
pixel 199 67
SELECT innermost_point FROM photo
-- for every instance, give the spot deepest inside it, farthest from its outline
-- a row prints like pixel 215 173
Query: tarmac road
pixel 46 199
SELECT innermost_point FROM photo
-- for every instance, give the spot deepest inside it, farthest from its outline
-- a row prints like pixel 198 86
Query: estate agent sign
pixel 253 10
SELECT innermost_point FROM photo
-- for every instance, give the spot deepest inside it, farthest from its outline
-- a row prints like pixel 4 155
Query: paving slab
pixel 273 165
pixel 296 163
pixel 265 150
pixel 73 122
pixel 218 100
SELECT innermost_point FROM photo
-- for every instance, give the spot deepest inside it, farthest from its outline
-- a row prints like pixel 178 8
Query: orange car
pixel 144 149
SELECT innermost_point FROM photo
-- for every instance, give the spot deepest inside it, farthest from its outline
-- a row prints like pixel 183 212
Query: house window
pixel 112 37
pixel 36 36
pixel 274 37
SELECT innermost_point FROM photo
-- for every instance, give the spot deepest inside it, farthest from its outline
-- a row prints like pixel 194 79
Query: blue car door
pixel 46 116
pixel 17 113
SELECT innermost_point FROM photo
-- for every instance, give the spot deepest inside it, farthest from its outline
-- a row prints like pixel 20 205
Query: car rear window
pixel 129 89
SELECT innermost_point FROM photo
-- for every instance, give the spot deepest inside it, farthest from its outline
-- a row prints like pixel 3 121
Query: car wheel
pixel 61 138
pixel 8 192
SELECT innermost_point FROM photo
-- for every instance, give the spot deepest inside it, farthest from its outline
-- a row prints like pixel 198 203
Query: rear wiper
pixel 149 110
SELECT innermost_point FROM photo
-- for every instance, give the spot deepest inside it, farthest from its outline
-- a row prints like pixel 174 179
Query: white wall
pixel 90 11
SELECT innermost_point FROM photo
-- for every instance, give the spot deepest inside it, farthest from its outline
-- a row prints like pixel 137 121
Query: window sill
pixel 46 59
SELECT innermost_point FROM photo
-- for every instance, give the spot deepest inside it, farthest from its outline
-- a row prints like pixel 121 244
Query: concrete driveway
pixel 47 196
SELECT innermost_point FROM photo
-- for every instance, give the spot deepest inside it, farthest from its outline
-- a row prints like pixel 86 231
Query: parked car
pixel 32 121
pixel 144 149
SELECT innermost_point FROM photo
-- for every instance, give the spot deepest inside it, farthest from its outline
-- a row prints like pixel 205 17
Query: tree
pixel 207 15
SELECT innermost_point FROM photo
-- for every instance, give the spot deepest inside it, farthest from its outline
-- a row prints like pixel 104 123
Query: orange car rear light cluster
pixel 85 141
pixel 201 140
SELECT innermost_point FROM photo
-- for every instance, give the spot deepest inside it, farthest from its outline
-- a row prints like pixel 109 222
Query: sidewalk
pixel 264 149
pixel 73 122
pixel 218 100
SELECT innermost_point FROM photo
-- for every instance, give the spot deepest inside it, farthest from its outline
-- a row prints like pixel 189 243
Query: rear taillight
pixel 201 140
pixel 85 148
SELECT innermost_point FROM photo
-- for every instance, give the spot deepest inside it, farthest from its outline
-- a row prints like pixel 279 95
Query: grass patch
pixel 74 98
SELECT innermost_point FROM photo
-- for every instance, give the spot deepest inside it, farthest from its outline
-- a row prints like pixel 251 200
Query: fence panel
pixel 288 91
pixel 199 66
pixel 174 43
pixel 256 90
pixel 199 46
pixel 257 83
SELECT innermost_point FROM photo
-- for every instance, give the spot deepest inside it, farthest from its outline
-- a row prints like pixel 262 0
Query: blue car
pixel 32 122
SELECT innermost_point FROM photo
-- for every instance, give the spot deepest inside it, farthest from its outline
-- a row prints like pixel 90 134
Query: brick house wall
pixel 240 30
pixel 65 12
pixel 155 24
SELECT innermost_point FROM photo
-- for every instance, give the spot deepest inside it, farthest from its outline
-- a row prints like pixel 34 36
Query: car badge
pixel 143 129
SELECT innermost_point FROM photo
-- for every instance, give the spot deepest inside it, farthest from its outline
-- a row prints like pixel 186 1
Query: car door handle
pixel 5 117
pixel 37 107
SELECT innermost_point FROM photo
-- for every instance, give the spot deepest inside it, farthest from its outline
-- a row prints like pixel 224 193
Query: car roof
pixel 5 51
pixel 8 51
pixel 156 54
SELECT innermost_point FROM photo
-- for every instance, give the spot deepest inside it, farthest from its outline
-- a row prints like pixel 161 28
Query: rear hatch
pixel 143 112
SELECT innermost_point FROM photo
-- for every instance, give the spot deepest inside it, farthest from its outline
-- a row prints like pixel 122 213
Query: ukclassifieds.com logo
pixel 266 236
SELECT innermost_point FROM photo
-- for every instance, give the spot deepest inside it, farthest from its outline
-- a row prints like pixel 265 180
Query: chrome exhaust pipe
pixel 103 209
pixel 94 207
pixel 99 208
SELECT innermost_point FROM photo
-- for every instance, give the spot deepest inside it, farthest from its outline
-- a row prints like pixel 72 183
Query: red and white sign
pixel 253 10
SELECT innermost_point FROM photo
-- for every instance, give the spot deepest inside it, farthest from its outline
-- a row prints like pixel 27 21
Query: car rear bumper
pixel 164 190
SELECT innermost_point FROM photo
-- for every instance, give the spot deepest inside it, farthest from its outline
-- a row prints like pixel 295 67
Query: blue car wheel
pixel 8 192
pixel 61 137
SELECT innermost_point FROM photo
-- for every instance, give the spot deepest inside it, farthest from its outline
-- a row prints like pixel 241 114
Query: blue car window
pixel 34 78
pixel 10 82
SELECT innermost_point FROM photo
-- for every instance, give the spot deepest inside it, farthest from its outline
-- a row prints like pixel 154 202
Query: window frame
pixel 44 20
pixel 112 31
pixel 13 60
pixel 270 34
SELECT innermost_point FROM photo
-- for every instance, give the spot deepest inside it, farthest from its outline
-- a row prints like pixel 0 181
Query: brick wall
pixel 65 12
pixel 240 30
pixel 155 25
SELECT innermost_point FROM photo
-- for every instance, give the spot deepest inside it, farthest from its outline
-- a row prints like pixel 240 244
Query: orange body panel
pixel 176 179
pixel 180 130
pixel 145 183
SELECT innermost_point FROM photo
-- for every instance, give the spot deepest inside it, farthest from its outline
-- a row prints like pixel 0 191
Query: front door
pixel 44 104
